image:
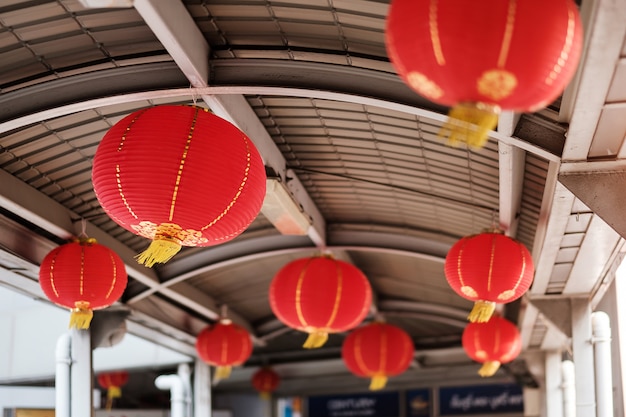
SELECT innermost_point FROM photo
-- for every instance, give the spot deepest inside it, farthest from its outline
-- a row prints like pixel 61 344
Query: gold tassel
pixel 470 123
pixel 222 372
pixel 114 392
pixel 159 251
pixel 265 395
pixel 489 368
pixel 482 311
pixel 378 382
pixel 81 315
pixel 315 340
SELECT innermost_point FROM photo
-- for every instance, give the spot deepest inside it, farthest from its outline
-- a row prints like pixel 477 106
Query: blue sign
pixel 385 404
pixel 418 403
pixel 481 399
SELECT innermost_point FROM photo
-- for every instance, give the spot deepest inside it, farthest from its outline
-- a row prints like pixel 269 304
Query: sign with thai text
pixel 481 399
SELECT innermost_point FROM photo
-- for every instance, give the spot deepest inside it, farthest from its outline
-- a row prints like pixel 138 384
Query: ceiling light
pixel 280 208
pixel 104 4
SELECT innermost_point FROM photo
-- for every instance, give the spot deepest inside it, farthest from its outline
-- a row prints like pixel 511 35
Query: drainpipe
pixel 62 376
pixel 568 386
pixel 177 390
pixel 601 327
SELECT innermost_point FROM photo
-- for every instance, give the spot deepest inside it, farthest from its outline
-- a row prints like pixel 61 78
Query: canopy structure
pixel 353 160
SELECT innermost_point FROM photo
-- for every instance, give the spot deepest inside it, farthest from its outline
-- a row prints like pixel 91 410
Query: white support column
pixel 553 385
pixel 583 358
pixel 601 325
pixel 202 389
pixel 82 374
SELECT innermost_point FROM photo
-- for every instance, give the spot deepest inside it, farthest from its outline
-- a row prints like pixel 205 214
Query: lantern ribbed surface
pixel 179 175
pixel 501 54
pixel 492 343
pixel 265 381
pixel 377 351
pixel 82 276
pixel 489 267
pixel 223 345
pixel 320 295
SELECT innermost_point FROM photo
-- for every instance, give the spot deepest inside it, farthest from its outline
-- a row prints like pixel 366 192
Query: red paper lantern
pixel 377 351
pixel 113 383
pixel 82 276
pixel 224 345
pixel 492 343
pixel 488 268
pixel 180 176
pixel 320 295
pixel 483 57
pixel 265 380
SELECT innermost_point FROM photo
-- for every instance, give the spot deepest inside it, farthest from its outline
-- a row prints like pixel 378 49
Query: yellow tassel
pixel 489 368
pixel 81 316
pixel 265 395
pixel 159 251
pixel 378 382
pixel 222 372
pixel 482 311
pixel 470 123
pixel 114 392
pixel 315 340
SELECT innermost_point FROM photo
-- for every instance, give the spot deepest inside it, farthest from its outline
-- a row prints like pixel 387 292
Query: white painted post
pixel 583 358
pixel 553 393
pixel 82 374
pixel 202 389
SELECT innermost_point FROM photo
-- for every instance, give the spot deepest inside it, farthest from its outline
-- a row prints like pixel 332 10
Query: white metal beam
pixel 603 22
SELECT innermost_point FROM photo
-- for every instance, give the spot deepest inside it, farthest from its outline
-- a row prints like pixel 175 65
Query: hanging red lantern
pixel 224 345
pixel 265 380
pixel 113 383
pixel 320 295
pixel 489 268
pixel 377 351
pixel 492 343
pixel 82 276
pixel 484 57
pixel 179 176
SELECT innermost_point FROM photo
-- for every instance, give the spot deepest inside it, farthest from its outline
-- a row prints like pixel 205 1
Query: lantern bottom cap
pixel 315 340
pixel 489 368
pixel 378 383
pixel 470 123
pixel 482 311
pixel 159 251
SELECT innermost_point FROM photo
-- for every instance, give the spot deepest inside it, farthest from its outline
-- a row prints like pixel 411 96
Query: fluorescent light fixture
pixel 280 208
pixel 105 4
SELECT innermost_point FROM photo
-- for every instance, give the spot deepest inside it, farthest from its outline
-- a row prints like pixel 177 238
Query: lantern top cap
pixel 82 240
pixel 493 229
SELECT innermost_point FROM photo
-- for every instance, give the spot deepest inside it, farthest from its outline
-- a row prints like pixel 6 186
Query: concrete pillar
pixel 202 389
pixel 553 390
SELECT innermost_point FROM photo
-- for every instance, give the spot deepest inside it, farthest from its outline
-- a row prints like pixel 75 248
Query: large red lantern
pixel 113 383
pixel 180 176
pixel 82 276
pixel 320 295
pixel 224 345
pixel 377 351
pixel 489 268
pixel 492 343
pixel 483 57
pixel 265 380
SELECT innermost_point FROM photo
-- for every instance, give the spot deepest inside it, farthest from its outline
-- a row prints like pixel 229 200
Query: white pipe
pixel 177 391
pixel 62 376
pixel 569 388
pixel 601 327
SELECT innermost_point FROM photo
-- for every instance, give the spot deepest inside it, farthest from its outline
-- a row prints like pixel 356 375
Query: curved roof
pixel 311 85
